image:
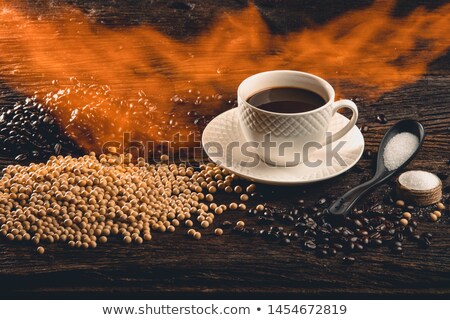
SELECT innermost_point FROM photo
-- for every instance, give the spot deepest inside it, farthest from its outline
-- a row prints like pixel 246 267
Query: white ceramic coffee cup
pixel 291 132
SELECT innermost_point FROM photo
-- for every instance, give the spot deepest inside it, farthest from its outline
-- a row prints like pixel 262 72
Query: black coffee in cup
pixel 286 100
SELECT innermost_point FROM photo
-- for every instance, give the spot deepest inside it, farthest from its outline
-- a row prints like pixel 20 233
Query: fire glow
pixel 140 81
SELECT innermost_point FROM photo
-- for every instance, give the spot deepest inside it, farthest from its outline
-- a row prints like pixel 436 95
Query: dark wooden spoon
pixel 346 202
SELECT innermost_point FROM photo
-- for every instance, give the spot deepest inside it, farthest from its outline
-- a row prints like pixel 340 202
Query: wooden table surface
pixel 402 71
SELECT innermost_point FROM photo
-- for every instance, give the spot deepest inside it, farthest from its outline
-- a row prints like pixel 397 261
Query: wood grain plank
pixel 235 266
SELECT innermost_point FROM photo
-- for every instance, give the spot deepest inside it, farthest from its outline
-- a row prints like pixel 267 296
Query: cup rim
pixel 324 83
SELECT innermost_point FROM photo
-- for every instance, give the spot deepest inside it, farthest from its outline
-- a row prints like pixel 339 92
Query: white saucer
pixel 225 129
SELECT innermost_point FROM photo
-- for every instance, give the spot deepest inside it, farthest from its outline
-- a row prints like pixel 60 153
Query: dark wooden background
pixel 233 266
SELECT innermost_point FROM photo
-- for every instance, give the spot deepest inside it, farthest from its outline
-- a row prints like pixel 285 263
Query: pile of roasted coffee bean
pixel 29 132
pixel 311 228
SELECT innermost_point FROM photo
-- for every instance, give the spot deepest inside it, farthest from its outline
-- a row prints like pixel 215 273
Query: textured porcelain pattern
pixel 292 132
pixel 225 130
pixel 285 125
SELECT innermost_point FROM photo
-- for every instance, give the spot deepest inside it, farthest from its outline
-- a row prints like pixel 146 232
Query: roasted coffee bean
pixel 381 118
pixel 21 157
pixel 265 220
pixel 57 149
pixel 323 246
pixel 310 245
pixel 276 229
pixel 397 250
pixel 285 241
pixel 362 233
pixel 321 201
pixel 338 246
pixel 294 235
pixel 310 233
pixel 376 242
pixel 346 233
pixel 263 233
pixel 357 223
pixel 409 230
pixel 350 246
pixel 427 235
pixel 328 227
pixel 335 231
pixel 415 237
pixel 283 234
pixel 288 219
pixel 322 230
pixel 312 210
pixel 273 236
pixel 300 226
pixel 348 260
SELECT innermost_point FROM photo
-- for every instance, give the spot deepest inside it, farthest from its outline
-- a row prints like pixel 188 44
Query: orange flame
pixel 138 80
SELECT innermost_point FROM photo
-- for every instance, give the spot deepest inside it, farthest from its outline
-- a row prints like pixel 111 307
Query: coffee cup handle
pixel 339 105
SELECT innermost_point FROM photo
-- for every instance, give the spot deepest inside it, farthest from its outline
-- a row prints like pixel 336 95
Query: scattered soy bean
pixel 244 197
pixel 197 235
pixel 83 201
pixel 240 223
pixel 400 203
pixel 260 207
pixel 233 206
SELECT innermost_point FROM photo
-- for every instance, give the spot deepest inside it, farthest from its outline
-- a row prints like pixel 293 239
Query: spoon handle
pixel 344 203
